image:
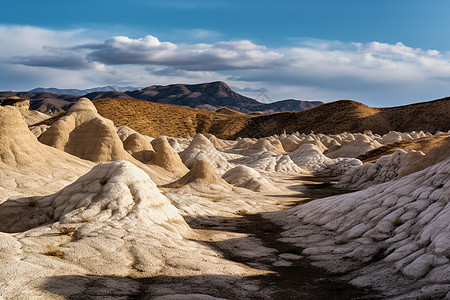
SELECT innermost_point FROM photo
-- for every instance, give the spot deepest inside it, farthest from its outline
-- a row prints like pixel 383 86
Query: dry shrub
pixel 52 250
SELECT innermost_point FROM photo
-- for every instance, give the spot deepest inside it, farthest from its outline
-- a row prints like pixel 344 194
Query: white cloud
pixel 313 68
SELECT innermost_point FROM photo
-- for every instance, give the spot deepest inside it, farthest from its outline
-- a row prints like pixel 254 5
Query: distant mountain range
pixel 76 92
pixel 209 96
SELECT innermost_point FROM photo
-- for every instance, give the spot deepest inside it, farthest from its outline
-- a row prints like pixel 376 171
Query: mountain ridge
pixel 78 92
pixel 208 96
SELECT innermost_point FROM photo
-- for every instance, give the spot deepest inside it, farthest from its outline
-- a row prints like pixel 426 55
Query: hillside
pixel 352 116
pixel 156 119
pixel 164 119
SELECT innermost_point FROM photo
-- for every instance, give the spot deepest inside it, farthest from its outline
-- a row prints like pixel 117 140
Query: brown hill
pixel 352 116
pixel 156 119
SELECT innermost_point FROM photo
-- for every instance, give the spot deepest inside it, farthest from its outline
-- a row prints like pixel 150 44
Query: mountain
pixel 43 101
pixel 77 92
pixel 213 96
pixel 207 96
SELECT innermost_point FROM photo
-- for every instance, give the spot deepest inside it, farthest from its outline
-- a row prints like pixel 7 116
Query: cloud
pixel 71 62
pixel 314 68
pixel 250 90
pixel 219 56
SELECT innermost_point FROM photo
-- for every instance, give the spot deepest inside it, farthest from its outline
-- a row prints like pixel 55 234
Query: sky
pixel 381 53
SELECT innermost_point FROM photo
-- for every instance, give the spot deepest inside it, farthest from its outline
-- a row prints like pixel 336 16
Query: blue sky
pixel 381 53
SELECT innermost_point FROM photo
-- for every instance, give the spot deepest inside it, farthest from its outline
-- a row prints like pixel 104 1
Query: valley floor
pixel 274 269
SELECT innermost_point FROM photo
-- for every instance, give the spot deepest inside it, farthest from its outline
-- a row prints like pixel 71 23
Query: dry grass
pixel 52 250
pixel 398 222
pixel 242 212
pixel 32 202
pixel 103 180
pixel 156 119
pixel 69 230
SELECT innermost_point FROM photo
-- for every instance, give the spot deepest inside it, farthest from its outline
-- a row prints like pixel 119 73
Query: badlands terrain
pixel 129 199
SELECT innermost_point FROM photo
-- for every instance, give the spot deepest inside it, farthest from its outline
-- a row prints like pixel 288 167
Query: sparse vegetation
pixel 69 230
pixel 32 201
pixel 340 242
pixel 398 222
pixel 85 218
pixel 175 185
pixel 242 212
pixel 52 250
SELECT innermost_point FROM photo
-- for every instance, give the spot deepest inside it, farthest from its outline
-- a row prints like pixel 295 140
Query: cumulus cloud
pixel 314 68
pixel 198 57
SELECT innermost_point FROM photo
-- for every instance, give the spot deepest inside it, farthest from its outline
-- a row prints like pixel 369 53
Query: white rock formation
pixel 111 223
pixel 393 236
pixel 202 147
pixel 392 166
pixel 249 178
pixel 28 167
pixel 271 162
pixel 310 158
pixel 84 133
pixel 360 145
pixel 385 169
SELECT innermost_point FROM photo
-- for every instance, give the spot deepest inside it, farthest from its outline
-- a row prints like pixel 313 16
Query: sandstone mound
pixel 272 145
pixel 166 157
pixel 392 237
pixel 84 133
pixel 271 162
pixel 290 144
pixel 249 178
pixel 27 166
pixel 434 156
pixel 309 157
pixel 393 166
pixel 124 132
pixel 38 130
pixel 385 169
pixel 110 191
pixel 18 146
pixel 244 143
pixel 217 143
pixel 201 146
pixel 139 147
pixel 201 173
pixel 359 145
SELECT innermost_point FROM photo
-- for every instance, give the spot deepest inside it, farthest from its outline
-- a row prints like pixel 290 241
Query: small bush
pixel 340 242
pixel 242 212
pixel 67 230
pixel 53 250
pixel 398 222
pixel 32 202
pixel 85 219
pixel 103 180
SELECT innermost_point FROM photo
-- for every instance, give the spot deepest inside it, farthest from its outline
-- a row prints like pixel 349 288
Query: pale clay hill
pixel 97 210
